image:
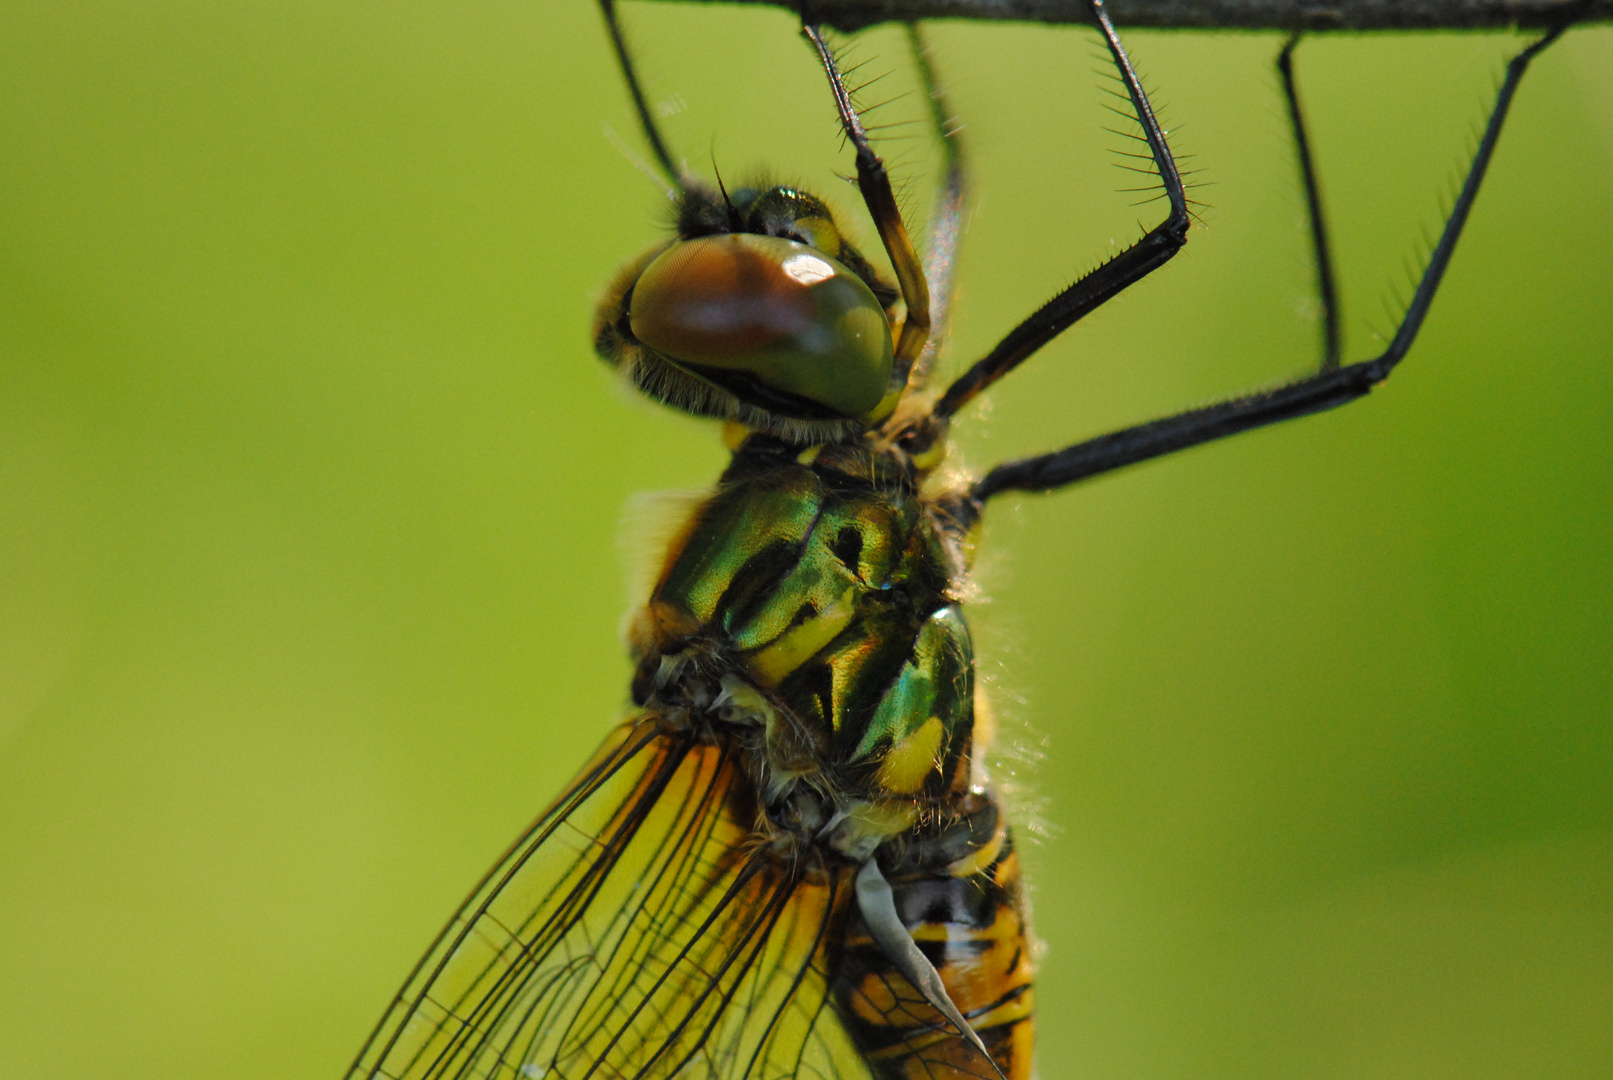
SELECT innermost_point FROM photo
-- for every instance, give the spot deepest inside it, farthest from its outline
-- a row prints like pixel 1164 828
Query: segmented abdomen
pixel 959 895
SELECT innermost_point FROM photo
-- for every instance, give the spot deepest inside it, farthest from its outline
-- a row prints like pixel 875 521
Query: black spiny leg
pixel 1321 249
pixel 875 184
pixel 652 133
pixel 1130 266
pixel 1325 390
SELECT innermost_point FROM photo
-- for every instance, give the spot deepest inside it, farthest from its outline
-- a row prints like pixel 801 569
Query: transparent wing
pixel 635 930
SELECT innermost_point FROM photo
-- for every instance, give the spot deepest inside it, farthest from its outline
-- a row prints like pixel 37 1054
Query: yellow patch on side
pixel 800 643
pixel 883 410
pixel 734 433
pixel 980 858
pixel 926 460
pixel 821 234
pixel 907 763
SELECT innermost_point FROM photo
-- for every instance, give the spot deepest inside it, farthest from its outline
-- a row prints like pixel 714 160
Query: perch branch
pixel 1207 14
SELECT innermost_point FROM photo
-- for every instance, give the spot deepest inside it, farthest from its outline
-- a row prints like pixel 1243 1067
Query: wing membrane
pixel 635 930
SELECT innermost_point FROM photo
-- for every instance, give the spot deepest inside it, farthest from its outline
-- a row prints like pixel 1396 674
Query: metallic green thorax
pixel 824 578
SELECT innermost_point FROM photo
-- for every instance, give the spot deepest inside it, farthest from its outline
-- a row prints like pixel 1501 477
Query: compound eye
pixel 743 308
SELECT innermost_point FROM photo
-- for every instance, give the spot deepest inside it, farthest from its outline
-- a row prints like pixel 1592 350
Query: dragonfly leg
pixel 946 220
pixel 646 119
pixel 1327 389
pixel 875 184
pixel 1130 266
pixel 1321 249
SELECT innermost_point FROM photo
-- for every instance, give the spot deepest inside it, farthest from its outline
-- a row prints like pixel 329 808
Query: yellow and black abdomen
pixel 959 895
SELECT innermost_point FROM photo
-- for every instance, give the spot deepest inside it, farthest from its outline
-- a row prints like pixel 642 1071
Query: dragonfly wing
pixel 635 930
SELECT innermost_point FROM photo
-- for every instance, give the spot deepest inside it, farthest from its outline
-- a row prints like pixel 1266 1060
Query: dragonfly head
pixel 758 311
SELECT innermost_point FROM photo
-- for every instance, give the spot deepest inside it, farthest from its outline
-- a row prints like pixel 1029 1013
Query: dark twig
pixel 1291 15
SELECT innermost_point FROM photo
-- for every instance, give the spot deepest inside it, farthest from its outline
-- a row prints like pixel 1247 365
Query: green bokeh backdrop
pixel 310 491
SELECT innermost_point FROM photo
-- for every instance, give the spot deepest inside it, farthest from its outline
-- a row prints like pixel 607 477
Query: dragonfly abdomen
pixel 959 896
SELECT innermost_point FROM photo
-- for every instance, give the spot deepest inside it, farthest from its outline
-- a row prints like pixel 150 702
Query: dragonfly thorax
pixel 806 615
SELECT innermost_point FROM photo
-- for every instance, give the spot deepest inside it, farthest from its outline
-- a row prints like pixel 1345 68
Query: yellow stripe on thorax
pixel 801 642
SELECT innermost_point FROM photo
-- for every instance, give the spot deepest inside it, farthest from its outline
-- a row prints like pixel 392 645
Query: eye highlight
pixel 807 268
pixel 781 313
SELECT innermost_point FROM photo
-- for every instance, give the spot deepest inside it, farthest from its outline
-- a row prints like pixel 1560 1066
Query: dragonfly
pixel 790 860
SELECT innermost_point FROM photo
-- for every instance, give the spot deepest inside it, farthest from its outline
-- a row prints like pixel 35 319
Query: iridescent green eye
pixel 771 320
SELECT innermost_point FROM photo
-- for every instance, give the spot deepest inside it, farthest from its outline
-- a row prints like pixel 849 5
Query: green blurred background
pixel 310 493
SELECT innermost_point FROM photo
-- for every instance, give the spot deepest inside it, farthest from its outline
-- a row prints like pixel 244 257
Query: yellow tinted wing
pixel 635 930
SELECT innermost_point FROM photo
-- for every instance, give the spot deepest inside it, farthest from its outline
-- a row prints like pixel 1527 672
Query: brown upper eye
pixel 718 297
pixel 779 310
